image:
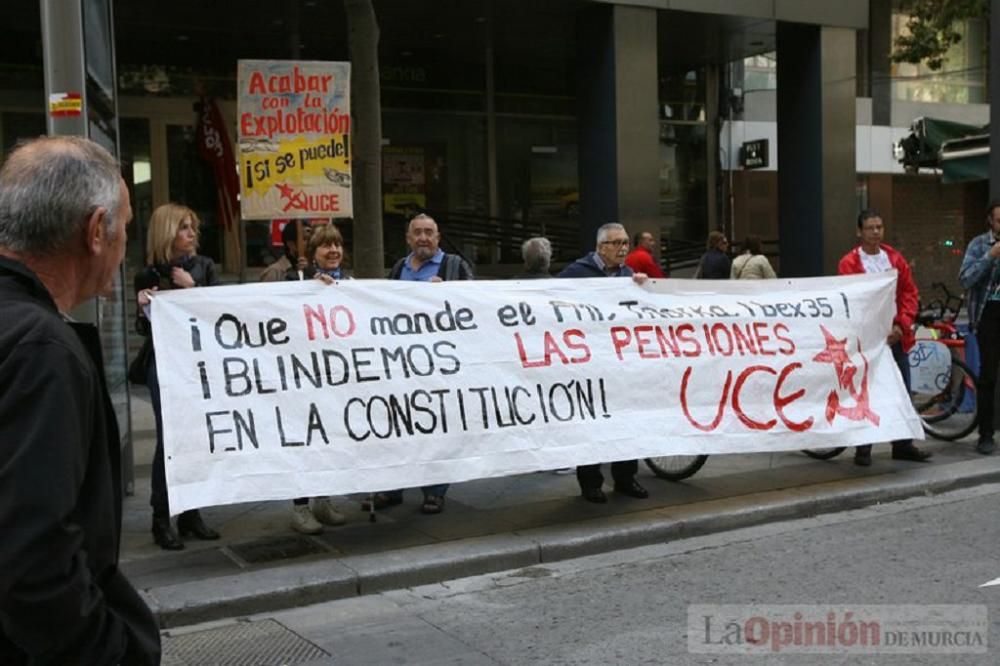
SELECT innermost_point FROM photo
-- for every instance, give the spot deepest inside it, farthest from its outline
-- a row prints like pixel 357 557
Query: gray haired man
pixel 63 212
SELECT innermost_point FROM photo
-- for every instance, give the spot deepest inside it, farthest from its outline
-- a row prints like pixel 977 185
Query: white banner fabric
pixel 297 389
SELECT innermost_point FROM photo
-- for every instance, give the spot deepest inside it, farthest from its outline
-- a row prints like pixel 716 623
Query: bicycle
pixel 942 385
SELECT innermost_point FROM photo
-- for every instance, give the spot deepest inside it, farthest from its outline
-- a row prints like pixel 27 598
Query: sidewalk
pixel 260 564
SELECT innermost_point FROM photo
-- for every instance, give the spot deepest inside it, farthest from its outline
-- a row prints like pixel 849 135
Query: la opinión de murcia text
pixel 549 337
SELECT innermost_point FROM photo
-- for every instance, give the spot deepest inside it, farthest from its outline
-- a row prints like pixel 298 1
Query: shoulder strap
pixel 449 267
pixel 746 260
pixel 397 270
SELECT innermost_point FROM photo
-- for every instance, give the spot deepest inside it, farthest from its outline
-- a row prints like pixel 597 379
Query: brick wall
pixel 931 223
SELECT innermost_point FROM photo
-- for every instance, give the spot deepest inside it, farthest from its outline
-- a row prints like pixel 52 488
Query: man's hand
pixel 301 264
pixel 639 278
pixel 994 252
pixel 181 278
pixel 435 279
pixel 895 335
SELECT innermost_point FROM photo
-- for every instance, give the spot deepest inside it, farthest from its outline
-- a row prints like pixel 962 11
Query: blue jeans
pixel 903 363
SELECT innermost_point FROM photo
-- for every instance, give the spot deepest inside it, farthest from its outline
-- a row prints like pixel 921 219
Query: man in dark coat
pixel 607 261
pixel 426 262
pixel 63 600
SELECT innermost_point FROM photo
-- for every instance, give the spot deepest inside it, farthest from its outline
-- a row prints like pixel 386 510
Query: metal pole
pixel 994 100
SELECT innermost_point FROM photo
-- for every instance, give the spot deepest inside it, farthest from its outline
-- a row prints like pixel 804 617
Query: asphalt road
pixel 632 606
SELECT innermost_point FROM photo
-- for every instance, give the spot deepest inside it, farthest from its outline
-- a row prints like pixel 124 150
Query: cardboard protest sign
pixel 295 139
pixel 297 389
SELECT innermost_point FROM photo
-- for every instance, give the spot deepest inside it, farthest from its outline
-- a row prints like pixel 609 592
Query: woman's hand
pixel 181 278
pixel 324 278
pixel 145 297
pixel 639 278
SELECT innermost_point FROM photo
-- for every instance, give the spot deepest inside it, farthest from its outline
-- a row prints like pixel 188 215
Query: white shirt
pixel 875 263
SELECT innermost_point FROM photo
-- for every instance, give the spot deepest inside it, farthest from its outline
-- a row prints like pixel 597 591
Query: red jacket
pixel 641 261
pixel 907 298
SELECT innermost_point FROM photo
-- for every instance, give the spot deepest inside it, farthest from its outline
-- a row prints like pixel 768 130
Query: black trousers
pixel 988 338
pixel 158 485
pixel 622 472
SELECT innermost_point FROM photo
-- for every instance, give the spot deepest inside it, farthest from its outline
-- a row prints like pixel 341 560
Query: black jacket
pixel 586 266
pixel 63 599
pixel 202 271
pixel 715 265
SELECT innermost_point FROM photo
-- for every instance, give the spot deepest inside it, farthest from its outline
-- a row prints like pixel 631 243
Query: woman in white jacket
pixel 752 264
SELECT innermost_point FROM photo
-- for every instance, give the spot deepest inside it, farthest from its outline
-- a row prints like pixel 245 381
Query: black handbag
pixel 140 364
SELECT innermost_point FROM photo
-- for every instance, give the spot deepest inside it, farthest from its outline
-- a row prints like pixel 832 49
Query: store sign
pixel 295 139
pixel 754 154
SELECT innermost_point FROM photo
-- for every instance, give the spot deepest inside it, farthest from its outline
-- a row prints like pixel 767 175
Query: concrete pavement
pixel 489 525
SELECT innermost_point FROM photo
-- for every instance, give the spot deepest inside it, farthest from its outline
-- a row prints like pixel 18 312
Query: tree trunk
pixel 366 139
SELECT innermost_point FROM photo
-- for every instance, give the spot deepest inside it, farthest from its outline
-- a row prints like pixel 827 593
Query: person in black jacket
pixel 426 262
pixel 608 260
pixel 63 600
pixel 172 263
pixel 715 263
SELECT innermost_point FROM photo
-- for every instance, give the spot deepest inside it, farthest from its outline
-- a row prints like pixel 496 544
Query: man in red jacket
pixel 874 256
pixel 641 259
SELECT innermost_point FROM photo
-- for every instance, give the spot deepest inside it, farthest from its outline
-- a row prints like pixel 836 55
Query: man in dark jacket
pixel 426 262
pixel 63 600
pixel 607 261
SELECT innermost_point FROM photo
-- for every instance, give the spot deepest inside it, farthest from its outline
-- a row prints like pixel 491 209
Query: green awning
pixel 961 164
pixel 961 151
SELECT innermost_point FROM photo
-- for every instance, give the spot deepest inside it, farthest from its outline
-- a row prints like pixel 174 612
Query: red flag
pixel 215 148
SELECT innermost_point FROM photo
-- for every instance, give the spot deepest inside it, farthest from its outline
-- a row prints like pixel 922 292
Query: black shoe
pixel 595 495
pixel 911 453
pixel 190 522
pixel 164 535
pixel 986 446
pixel 863 456
pixel 632 489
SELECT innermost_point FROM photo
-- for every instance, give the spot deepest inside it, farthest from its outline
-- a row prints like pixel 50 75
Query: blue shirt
pixel 979 275
pixel 428 269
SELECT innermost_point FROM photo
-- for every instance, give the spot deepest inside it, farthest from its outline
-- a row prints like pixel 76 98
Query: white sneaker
pixel 326 512
pixel 303 520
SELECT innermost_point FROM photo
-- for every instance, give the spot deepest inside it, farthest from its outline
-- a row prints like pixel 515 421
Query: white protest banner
pixel 298 389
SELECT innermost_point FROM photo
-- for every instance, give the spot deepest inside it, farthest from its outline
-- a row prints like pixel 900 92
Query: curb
pixel 295 585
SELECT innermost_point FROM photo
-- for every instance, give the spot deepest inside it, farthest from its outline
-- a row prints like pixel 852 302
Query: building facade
pixel 513 118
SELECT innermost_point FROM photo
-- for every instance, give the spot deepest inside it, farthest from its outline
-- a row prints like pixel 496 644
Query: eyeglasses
pixel 616 243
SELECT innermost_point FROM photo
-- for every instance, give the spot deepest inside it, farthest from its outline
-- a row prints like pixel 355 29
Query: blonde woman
pixel 172 262
pixel 752 264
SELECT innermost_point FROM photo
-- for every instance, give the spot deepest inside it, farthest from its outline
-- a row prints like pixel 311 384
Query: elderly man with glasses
pixel 608 260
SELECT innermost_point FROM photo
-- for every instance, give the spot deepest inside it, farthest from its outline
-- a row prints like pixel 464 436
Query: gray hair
pixel 49 187
pixel 537 254
pixel 602 233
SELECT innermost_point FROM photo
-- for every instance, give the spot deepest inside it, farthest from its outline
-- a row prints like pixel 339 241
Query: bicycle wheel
pixel 824 454
pixel 951 413
pixel 675 468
